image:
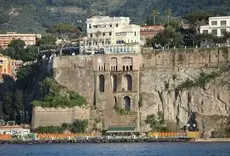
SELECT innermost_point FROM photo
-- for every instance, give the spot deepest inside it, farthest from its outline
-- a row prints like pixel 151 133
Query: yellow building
pixel 9 66
pixel 29 39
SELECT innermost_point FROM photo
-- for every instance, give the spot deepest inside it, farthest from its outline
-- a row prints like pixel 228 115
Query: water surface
pixel 119 149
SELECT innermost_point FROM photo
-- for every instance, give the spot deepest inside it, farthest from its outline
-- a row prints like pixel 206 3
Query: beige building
pixel 216 26
pixel 111 35
pixel 29 39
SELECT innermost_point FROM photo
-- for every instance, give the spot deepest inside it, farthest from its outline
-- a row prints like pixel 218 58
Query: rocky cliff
pixel 190 87
pixel 165 86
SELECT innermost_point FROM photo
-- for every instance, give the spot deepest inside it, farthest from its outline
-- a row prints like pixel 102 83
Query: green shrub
pixel 49 129
pixel 58 96
pixel 201 81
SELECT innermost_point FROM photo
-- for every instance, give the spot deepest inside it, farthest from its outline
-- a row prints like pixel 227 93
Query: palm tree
pixel 168 13
pixel 154 14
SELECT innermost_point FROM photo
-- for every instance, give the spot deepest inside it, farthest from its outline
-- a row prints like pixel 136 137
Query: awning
pixel 121 129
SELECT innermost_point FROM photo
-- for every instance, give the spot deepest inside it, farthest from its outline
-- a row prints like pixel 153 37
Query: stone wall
pixel 162 72
pixel 58 116
pixel 155 77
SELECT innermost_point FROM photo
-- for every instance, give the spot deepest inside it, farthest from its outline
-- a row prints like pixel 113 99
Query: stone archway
pixel 101 83
pixel 127 103
pixel 127 83
pixel 114 82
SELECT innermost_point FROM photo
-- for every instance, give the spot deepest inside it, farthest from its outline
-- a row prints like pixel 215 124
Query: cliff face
pixel 208 105
pixel 205 102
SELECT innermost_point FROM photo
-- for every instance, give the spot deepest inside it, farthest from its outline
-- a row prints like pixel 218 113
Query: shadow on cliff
pixel 21 91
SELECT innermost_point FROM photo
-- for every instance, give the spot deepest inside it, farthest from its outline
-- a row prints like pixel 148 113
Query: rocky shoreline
pixel 97 140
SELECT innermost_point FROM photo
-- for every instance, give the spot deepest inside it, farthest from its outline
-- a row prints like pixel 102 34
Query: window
pixel 103 34
pixel 205 31
pixel 101 83
pixel 116 25
pixel 222 31
pixel 214 22
pixel 110 25
pixel 113 63
pixel 91 35
pixel 223 23
pixel 135 33
pixel 114 82
pixel 127 103
pixel 127 83
pixel 90 26
pixel 214 32
pixel 110 33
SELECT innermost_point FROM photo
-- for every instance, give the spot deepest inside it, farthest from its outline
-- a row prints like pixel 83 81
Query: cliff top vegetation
pixel 58 96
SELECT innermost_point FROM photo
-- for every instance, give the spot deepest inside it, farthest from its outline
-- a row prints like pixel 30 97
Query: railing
pixel 174 134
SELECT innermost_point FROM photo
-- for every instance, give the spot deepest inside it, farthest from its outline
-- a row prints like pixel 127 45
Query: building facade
pixel 216 26
pixel 111 35
pixel 148 32
pixel 9 66
pixel 29 39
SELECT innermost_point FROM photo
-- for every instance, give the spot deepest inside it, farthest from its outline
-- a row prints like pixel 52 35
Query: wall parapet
pixel 58 116
pixel 187 58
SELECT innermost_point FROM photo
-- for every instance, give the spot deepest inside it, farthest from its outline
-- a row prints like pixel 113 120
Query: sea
pixel 117 149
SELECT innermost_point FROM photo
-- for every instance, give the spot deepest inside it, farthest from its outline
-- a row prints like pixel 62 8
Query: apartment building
pixel 29 39
pixel 216 26
pixel 111 35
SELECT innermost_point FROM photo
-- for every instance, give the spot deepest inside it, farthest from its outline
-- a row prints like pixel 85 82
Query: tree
pixel 48 40
pixel 8 103
pixel 196 19
pixel 169 37
pixel 168 13
pixel 18 45
pixel 64 32
pixel 19 100
pixel 154 14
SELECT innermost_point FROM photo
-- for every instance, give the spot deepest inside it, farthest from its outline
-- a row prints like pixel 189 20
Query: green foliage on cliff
pixel 157 123
pixel 201 81
pixel 56 95
pixel 49 129
pixel 78 126
pixel 120 110
pixel 13 105
pixel 17 51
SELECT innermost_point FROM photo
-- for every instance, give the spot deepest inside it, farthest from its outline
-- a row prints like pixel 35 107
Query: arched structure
pixel 127 83
pixel 101 83
pixel 114 82
pixel 101 64
pixel 127 63
pixel 113 64
pixel 127 103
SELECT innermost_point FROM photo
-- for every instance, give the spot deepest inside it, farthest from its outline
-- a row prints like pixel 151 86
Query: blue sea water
pixel 119 149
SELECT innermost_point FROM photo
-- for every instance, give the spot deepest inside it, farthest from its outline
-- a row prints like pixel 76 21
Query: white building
pixel 217 26
pixel 13 130
pixel 111 35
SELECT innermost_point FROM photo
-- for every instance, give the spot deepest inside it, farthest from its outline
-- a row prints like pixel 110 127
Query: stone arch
pixel 127 103
pixel 127 82
pixel 127 63
pixel 101 64
pixel 113 64
pixel 114 82
pixel 101 83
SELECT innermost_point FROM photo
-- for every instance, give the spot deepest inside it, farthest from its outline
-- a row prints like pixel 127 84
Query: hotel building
pixel 111 35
